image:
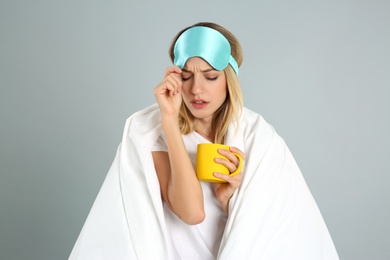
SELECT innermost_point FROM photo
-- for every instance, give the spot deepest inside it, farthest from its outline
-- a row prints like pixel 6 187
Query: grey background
pixel 71 72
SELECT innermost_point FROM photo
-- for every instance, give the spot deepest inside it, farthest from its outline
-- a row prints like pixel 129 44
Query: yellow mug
pixel 206 166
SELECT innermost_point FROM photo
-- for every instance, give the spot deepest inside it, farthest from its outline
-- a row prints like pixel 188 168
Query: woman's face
pixel 204 89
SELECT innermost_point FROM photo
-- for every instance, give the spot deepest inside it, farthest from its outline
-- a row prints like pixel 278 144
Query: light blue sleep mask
pixel 206 43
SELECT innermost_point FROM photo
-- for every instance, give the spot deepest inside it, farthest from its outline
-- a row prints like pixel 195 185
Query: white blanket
pixel 272 215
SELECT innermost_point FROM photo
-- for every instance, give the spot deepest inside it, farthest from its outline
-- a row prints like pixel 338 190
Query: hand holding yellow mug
pixel 206 166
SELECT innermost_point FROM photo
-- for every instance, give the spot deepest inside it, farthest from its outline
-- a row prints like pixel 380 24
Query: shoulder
pixel 146 118
pixel 144 126
pixel 252 124
pixel 251 118
pixel 149 112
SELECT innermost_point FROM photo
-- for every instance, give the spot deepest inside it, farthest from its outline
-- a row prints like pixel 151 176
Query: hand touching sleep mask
pixel 206 43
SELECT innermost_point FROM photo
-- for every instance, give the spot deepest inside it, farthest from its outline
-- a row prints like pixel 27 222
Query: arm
pixel 180 188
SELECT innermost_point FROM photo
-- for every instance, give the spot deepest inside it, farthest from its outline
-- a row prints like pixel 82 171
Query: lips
pixel 198 104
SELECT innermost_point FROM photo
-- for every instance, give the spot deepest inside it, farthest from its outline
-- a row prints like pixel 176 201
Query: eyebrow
pixel 206 70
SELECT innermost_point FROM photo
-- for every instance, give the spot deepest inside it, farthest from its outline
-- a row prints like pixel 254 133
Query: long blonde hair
pixel 233 104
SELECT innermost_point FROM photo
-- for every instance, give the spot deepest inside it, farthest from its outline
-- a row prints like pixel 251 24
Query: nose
pixel 196 88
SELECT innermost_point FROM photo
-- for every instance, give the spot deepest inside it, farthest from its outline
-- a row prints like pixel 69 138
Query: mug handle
pixel 239 166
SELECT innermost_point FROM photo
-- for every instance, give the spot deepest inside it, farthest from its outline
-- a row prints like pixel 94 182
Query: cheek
pixel 185 94
pixel 221 90
pixel 184 90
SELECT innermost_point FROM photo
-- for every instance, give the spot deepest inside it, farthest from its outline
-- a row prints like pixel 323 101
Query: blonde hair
pixel 233 104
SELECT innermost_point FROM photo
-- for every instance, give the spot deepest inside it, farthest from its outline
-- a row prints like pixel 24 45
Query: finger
pixel 168 88
pixel 171 84
pixel 234 182
pixel 236 150
pixel 174 77
pixel 175 82
pixel 232 158
pixel 161 89
pixel 232 167
pixel 172 69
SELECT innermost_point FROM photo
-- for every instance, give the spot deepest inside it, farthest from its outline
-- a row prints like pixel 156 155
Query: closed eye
pixel 213 78
pixel 185 78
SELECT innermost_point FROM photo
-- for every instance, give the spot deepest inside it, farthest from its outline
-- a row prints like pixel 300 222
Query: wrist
pixel 169 121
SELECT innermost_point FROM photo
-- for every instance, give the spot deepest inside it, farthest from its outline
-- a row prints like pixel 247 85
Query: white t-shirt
pixel 200 241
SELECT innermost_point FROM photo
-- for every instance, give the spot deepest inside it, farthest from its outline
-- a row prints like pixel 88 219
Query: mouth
pixel 199 104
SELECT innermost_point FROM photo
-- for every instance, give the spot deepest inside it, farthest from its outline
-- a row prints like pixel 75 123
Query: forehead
pixel 197 63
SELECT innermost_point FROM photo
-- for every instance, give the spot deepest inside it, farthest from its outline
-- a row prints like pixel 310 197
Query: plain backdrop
pixel 71 72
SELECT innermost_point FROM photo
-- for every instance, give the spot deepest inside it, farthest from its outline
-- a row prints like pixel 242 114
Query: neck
pixel 204 129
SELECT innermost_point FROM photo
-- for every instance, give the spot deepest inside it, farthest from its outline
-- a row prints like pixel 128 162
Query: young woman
pixel 152 206
pixel 199 102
